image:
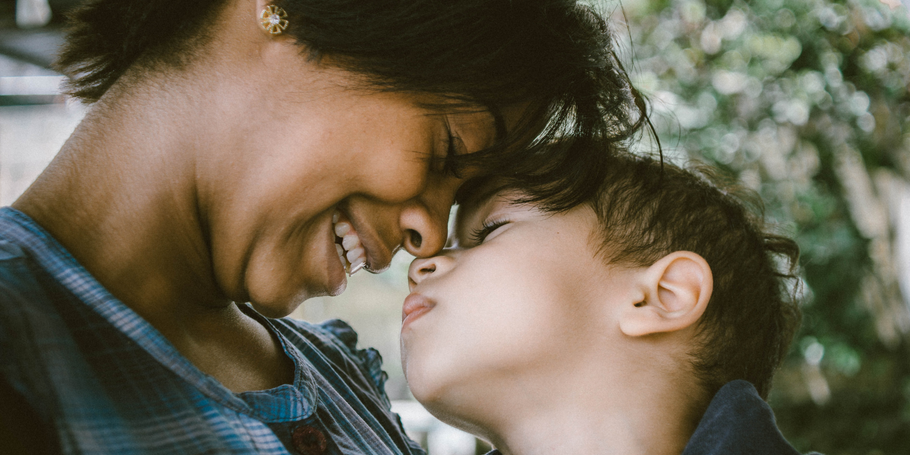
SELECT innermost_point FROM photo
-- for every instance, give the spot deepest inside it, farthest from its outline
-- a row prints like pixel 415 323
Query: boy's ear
pixel 676 290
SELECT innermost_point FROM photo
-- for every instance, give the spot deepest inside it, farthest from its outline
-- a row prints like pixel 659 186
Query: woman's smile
pixel 357 248
pixel 350 249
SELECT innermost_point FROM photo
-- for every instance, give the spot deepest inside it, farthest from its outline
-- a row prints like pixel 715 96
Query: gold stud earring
pixel 273 19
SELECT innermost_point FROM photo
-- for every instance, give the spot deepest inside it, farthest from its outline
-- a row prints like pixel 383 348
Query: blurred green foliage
pixel 806 101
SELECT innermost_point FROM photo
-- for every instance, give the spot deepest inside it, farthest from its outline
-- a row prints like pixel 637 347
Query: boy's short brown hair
pixel 648 208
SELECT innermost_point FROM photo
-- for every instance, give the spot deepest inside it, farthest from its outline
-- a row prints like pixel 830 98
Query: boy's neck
pixel 636 411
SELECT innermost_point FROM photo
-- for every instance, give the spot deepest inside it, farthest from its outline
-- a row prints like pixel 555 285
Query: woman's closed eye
pixel 479 235
pixel 454 147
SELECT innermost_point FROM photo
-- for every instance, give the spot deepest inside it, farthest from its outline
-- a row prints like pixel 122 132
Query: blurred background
pixel 805 101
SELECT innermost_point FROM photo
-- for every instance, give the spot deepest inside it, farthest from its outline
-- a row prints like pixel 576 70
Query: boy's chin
pixel 443 399
pixel 456 413
pixel 420 389
pixel 429 391
pixel 445 385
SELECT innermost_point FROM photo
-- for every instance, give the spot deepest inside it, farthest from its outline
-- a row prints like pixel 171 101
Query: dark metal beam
pixel 37 46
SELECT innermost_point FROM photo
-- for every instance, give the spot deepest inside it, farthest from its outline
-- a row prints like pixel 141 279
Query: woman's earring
pixel 273 19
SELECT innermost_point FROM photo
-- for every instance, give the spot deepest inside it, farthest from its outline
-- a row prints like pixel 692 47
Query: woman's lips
pixel 415 305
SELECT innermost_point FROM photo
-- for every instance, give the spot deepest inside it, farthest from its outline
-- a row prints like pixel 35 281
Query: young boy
pixel 648 320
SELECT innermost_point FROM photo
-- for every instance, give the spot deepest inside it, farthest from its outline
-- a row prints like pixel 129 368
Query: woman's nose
pixel 425 220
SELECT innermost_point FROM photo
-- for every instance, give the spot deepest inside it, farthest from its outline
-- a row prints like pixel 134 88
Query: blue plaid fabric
pixel 98 379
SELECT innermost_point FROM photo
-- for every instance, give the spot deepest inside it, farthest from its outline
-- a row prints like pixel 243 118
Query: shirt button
pixel 308 440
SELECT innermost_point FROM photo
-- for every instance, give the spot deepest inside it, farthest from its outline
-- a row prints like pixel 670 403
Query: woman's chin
pixel 279 306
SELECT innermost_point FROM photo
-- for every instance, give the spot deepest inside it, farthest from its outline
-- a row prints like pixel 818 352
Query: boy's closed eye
pixel 488 227
pixel 486 214
pixel 476 224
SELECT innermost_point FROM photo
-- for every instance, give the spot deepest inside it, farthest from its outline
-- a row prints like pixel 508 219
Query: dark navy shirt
pixel 738 422
pixel 80 372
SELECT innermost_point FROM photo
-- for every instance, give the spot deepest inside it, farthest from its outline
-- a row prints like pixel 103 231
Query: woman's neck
pixel 121 196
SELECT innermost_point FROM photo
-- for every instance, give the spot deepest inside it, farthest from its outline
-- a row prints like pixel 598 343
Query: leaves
pixel 806 102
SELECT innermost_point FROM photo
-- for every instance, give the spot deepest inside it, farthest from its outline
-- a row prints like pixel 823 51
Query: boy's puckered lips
pixel 415 305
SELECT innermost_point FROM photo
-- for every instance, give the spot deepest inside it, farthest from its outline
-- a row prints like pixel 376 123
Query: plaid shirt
pixel 97 378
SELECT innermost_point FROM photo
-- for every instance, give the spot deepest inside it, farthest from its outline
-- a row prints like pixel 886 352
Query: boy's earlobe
pixel 676 290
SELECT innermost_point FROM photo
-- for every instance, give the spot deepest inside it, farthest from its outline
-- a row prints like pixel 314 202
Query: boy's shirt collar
pixel 738 421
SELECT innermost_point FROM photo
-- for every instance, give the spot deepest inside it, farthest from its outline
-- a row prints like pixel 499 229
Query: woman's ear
pixel 676 290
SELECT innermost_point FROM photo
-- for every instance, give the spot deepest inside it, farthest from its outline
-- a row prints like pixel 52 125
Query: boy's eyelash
pixel 480 234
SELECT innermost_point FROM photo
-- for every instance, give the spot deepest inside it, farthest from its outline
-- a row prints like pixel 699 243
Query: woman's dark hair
pixel 648 209
pixel 553 57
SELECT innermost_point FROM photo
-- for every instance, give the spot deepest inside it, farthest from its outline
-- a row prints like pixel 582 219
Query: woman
pixel 244 151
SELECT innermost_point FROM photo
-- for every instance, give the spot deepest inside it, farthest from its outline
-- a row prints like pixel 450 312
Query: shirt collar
pixel 738 421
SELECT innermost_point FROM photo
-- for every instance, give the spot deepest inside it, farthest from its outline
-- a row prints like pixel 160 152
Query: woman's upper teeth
pixel 342 228
pixel 350 241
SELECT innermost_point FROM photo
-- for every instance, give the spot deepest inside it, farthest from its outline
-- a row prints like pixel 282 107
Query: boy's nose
pixel 420 269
